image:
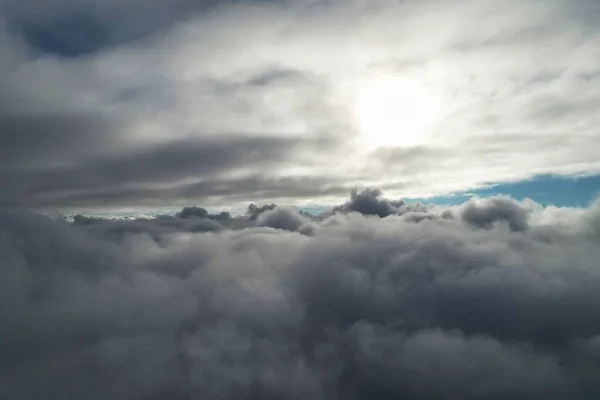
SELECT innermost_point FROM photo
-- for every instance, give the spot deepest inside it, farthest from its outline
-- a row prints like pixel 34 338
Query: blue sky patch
pixel 543 189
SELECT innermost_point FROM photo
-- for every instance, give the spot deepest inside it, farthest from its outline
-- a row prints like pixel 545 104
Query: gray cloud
pixel 166 165
pixel 362 307
pixel 368 201
pixel 483 213
pixel 199 212
pixel 71 28
pixel 282 218
pixel 254 210
pixel 52 138
pixel 213 191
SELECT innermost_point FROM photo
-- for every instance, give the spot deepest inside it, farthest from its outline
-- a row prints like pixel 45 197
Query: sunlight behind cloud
pixel 391 111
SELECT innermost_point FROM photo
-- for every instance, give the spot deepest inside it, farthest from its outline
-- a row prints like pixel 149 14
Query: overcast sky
pixel 125 104
pixel 174 114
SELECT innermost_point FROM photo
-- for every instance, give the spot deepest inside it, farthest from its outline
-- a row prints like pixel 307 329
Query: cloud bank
pixel 492 299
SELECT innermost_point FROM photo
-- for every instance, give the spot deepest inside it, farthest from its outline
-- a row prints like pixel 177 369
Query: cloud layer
pixel 106 104
pixel 492 299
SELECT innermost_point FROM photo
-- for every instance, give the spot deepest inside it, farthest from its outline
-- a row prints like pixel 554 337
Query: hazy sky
pixel 115 104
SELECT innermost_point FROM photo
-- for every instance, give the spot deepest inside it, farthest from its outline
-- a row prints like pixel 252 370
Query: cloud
pixel 187 212
pixel 282 218
pixel 159 168
pixel 362 307
pixel 254 211
pixel 193 211
pixel 368 201
pixel 79 101
pixel 157 228
pixel 483 213
pixel 69 28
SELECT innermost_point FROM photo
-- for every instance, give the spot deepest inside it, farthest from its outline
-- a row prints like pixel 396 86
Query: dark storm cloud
pixel 362 308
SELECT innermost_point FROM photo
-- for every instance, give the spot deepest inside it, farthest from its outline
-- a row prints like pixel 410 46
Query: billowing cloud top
pixel 493 299
pixel 116 104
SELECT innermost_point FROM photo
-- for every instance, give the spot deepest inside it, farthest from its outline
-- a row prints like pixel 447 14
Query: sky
pixel 578 191
pixel 307 199
pixel 111 105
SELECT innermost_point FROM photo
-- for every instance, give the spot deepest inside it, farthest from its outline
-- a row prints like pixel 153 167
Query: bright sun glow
pixel 393 112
